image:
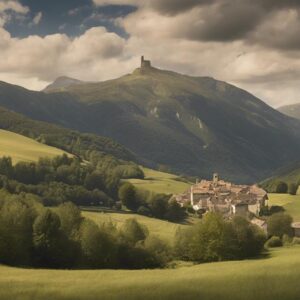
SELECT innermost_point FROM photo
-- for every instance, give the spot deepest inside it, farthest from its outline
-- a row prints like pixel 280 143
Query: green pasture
pixel 21 148
pixel 272 278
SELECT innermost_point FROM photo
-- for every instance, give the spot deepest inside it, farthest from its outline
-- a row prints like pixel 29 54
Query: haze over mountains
pixel 291 110
pixel 193 125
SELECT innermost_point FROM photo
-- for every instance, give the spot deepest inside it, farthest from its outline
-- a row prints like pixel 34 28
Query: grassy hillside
pixel 160 182
pixel 21 148
pixel 164 229
pixel 290 203
pixel 69 140
pixel 273 278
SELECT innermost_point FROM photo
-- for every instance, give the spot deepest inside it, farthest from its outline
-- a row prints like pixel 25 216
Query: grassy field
pixel 273 278
pixel 163 229
pixel 290 203
pixel 160 182
pixel 21 148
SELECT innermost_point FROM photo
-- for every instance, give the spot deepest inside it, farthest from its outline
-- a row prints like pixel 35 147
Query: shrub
pixel 215 239
pixel 296 241
pixel 127 195
pixel 273 242
pixel 281 188
pixel 280 224
pixel 293 187
pixel 287 240
pixel 134 232
pixel 144 211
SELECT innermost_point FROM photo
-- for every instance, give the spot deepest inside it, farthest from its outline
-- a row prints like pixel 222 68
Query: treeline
pixel 281 187
pixel 34 236
pixel 97 182
pixel 65 179
pixel 152 205
pixel 217 239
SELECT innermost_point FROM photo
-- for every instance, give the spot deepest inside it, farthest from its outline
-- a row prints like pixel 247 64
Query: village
pixel 226 198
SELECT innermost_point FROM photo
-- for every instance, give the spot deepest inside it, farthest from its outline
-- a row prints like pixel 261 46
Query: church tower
pixel 145 63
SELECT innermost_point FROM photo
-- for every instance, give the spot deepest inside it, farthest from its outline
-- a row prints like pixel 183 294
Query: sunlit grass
pixel 290 203
pixel 160 182
pixel 271 278
pixel 21 148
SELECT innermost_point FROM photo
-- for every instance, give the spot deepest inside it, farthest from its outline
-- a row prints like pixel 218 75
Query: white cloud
pixel 38 18
pixel 13 5
pixel 10 8
pixel 96 55
pixel 269 73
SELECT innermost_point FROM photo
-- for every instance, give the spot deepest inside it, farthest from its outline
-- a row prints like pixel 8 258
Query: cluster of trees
pixel 65 179
pixel 280 230
pixel 155 205
pixel 284 188
pixel 35 236
pixel 281 187
pixel 216 239
pixel 32 235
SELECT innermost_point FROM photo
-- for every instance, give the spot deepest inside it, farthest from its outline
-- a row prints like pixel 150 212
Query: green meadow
pixel 21 148
pixel 275 277
pixel 290 203
pixel 164 229
pixel 160 182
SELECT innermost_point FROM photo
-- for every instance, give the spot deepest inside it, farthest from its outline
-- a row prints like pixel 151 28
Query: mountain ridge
pixel 292 110
pixel 192 125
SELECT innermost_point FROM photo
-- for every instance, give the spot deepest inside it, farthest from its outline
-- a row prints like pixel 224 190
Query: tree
pixel 159 205
pixel 127 195
pixel 98 246
pixel 281 188
pixel 175 212
pixel 215 239
pixel 293 187
pixel 279 224
pixel 49 243
pixel 134 232
pixel 70 218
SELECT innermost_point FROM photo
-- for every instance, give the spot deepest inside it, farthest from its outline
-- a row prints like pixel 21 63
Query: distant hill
pixel 62 82
pixel 68 140
pixel 192 125
pixel 291 110
pixel 21 148
pixel 289 174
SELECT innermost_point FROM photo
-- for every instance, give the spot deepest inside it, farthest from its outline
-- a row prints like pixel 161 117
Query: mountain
pixel 291 110
pixel 62 82
pixel 192 125
pixel 80 144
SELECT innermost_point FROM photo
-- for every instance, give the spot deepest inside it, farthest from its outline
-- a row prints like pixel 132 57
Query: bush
pixel 144 211
pixel 273 242
pixel 214 239
pixel 280 224
pixel 293 187
pixel 296 241
pixel 128 197
pixel 281 188
pixel 286 240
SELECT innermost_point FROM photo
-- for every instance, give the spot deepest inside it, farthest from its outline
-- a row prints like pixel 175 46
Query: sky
pixel 254 44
